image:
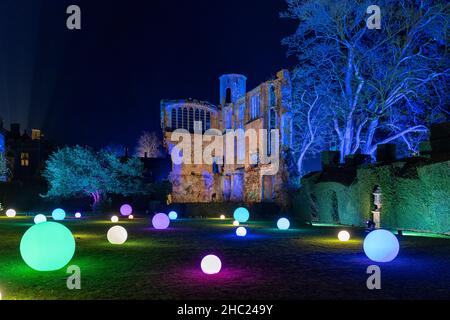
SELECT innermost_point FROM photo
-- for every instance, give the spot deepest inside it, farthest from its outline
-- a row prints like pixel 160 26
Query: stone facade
pixel 265 107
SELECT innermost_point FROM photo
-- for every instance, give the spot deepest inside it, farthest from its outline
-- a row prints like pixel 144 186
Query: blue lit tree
pixel 384 86
pixel 79 172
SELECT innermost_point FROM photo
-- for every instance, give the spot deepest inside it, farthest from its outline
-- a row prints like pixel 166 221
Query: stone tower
pixel 232 87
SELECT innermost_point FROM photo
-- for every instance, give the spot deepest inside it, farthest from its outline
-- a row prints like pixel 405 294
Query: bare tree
pixel 311 125
pixel 386 85
pixel 149 145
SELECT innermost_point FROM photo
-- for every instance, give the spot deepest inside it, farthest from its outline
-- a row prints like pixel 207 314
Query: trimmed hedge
pixel 415 196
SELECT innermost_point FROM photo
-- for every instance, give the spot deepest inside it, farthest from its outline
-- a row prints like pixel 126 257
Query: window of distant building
pixel 25 159
pixel 255 106
pixel 35 134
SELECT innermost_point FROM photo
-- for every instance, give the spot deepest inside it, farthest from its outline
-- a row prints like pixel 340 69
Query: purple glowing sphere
pixel 160 221
pixel 126 210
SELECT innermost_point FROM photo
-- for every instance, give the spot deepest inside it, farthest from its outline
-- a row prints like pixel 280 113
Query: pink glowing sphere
pixel 160 221
pixel 126 210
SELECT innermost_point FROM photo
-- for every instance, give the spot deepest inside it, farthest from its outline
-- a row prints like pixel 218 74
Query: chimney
pixel 15 130
pixel 145 155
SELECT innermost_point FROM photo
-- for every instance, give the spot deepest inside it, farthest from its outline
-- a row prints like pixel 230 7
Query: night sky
pixel 103 84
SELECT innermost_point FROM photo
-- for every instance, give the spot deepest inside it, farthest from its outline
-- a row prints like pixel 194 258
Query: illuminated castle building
pixel 265 107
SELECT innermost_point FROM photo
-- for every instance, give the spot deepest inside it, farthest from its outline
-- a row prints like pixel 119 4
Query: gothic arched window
pixel 173 118
pixel 185 118
pixel 191 119
pixel 228 96
pixel 208 120
pixel 180 118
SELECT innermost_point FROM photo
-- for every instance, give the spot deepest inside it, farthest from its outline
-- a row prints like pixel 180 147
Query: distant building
pixel 265 107
pixel 25 153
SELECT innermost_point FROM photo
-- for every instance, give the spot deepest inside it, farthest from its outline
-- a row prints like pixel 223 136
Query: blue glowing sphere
pixel 47 246
pixel 283 224
pixel 58 214
pixel 241 215
pixel 173 215
pixel 381 246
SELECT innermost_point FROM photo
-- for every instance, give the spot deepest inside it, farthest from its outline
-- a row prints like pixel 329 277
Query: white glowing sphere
pixel 283 224
pixel 114 219
pixel 241 232
pixel 78 215
pixel 11 213
pixel 117 235
pixel 40 218
pixel 236 223
pixel 211 264
pixel 222 217
pixel 344 236
pixel 131 217
pixel 381 246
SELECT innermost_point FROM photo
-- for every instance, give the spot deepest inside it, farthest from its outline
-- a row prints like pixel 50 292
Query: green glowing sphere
pixel 47 246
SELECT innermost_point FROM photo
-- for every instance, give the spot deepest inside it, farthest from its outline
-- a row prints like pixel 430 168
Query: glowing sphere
pixel 126 210
pixel 283 224
pixel 344 236
pixel 236 223
pixel 173 215
pixel 58 214
pixel 211 264
pixel 241 215
pixel 114 219
pixel 222 217
pixel 117 235
pixel 78 215
pixel 241 232
pixel 40 218
pixel 47 246
pixel 11 213
pixel 381 246
pixel 131 217
pixel 160 221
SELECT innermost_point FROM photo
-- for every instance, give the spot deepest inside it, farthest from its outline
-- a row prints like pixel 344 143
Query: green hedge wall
pixel 415 196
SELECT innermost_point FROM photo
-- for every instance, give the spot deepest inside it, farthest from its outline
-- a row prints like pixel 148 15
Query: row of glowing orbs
pixel 118 235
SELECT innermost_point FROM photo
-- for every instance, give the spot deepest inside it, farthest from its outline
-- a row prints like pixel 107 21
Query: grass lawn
pixel 302 263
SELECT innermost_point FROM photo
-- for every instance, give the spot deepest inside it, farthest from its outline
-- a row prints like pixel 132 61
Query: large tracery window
pixel 188 118
pixel 208 120
pixel 185 118
pixel 173 118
